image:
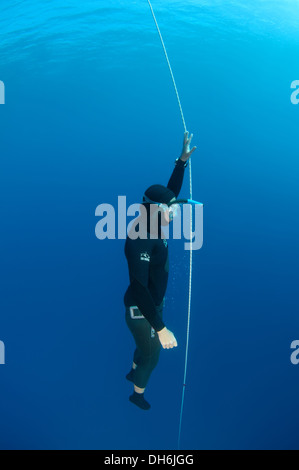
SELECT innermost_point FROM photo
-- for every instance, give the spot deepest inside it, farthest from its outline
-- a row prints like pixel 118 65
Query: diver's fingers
pixel 186 135
pixel 173 344
pixel 189 140
pixel 170 345
pixel 191 151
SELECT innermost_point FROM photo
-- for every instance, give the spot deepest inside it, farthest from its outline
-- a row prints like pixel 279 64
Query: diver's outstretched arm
pixel 176 180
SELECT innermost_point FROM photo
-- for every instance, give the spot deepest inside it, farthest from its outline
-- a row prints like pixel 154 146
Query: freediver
pixel 148 264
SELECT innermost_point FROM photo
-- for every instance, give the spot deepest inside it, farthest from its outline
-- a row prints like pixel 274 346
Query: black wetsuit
pixel 148 270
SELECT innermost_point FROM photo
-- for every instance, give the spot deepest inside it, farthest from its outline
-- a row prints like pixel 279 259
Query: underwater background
pixel 90 114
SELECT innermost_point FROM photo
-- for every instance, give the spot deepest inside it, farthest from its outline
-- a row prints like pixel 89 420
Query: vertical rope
pixel 191 225
pixel 169 65
pixel 189 311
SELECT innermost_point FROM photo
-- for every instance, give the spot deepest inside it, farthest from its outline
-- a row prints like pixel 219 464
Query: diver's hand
pixel 186 152
pixel 167 339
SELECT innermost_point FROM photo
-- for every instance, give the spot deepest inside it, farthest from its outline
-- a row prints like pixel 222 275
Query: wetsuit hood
pixel 158 194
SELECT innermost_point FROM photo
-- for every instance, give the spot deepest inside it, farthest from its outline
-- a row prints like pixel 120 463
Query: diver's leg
pixel 130 375
pixel 146 357
pixel 142 375
pixel 148 350
pixel 149 355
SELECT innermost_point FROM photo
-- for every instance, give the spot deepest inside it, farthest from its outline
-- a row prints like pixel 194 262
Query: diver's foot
pixel 130 376
pixel 138 400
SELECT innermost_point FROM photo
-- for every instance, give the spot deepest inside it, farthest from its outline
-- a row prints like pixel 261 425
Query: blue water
pixel 91 114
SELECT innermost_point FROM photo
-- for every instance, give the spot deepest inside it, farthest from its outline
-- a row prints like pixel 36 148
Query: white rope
pixel 189 314
pixel 191 224
pixel 170 69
